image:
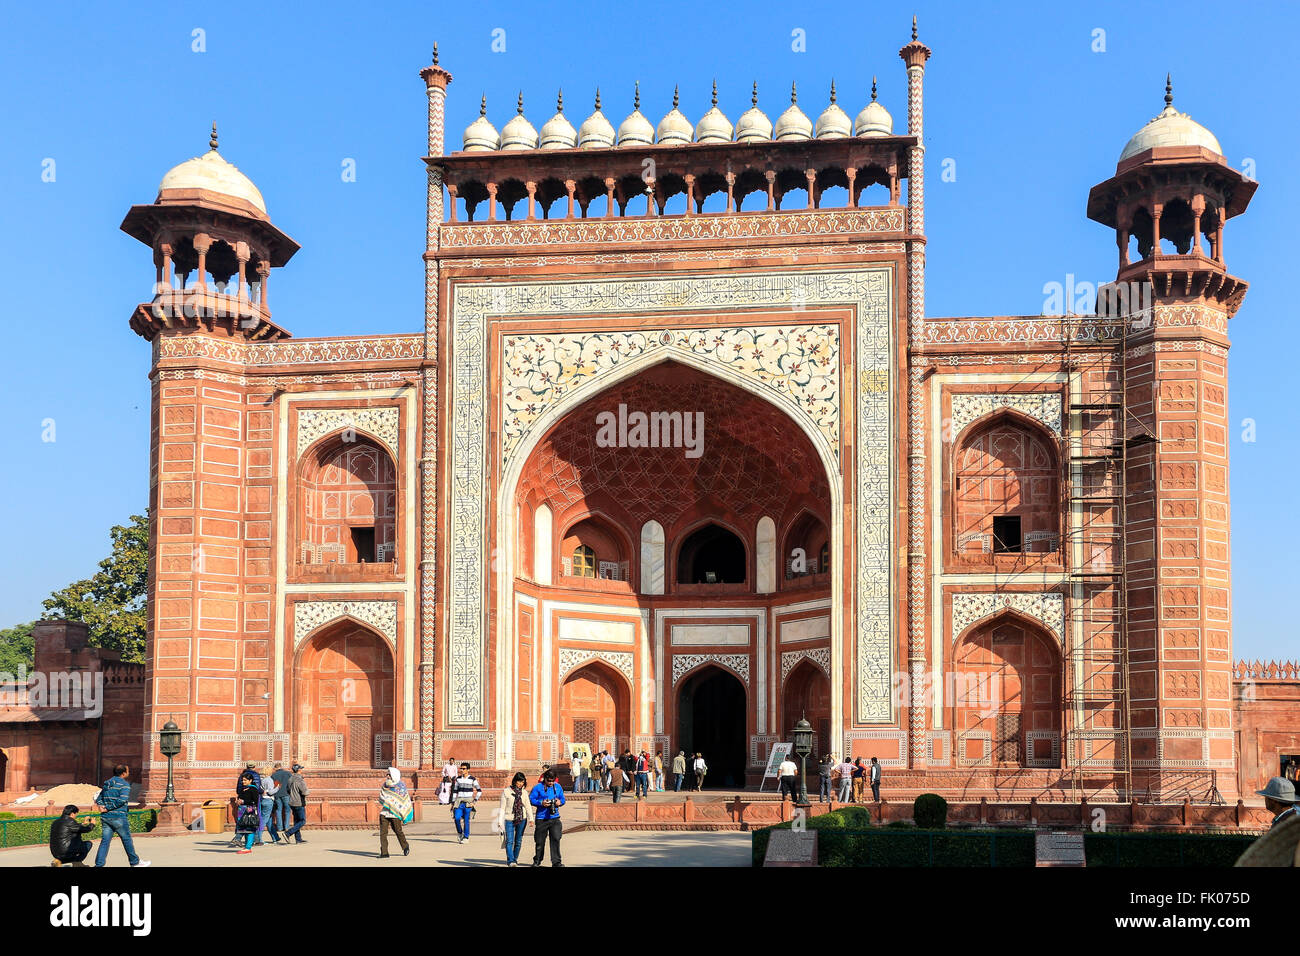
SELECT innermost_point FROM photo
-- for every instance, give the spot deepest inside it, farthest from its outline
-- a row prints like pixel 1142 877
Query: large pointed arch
pixel 506 533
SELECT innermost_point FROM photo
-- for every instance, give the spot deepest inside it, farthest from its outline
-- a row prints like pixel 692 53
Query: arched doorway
pixel 594 707
pixel 1008 675
pixel 808 695
pixel 711 555
pixel 711 709
pixel 344 690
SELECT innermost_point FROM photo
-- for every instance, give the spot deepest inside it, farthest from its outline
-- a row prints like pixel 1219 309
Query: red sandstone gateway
pixel 991 552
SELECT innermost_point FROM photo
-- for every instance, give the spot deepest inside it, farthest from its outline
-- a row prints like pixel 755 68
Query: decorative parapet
pixel 1266 670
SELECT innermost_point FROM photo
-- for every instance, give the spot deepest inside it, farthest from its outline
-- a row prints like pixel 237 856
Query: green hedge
pixel 843 844
pixel 34 831
pixel 930 811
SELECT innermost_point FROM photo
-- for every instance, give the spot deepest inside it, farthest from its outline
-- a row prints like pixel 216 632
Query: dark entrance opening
pixel 711 707
pixel 4 767
pixel 711 555
pixel 1006 534
pixel 363 545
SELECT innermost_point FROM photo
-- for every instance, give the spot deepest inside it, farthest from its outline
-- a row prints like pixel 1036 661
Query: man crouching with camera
pixel 547 797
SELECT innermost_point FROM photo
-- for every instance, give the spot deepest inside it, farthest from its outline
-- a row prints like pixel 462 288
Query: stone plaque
pixel 791 848
pixel 1058 849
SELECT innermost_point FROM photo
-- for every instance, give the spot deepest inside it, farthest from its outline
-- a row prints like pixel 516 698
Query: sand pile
pixel 82 794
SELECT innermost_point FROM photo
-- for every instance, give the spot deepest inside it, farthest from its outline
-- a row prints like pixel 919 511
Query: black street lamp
pixel 803 738
pixel 169 741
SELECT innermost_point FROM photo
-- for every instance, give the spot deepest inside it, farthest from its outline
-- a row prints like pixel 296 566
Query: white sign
pixel 774 759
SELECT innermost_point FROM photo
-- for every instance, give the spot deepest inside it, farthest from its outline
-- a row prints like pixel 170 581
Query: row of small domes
pixel 753 126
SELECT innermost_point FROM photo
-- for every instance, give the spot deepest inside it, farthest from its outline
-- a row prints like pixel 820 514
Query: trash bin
pixel 214 816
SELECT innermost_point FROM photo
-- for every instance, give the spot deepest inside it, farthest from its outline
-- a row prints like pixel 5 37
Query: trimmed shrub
pixel 855 817
pixel 930 811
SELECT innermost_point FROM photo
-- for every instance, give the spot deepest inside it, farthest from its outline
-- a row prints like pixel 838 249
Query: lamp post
pixel 169 742
pixel 803 735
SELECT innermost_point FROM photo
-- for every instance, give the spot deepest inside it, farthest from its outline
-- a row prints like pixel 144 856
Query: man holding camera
pixel 547 797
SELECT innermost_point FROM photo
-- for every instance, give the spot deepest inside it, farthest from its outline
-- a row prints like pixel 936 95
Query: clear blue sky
pixel 1015 94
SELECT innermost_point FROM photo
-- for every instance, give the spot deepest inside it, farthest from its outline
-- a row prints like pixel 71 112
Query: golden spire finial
pixel 482 106
pixel 873 89
pixel 520 108
pixel 715 92
pixel 212 140
pixel 559 101
pixel 753 99
pixel 598 99
pixel 1169 89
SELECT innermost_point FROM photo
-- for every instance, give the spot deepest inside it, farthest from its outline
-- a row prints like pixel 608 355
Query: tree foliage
pixel 16 646
pixel 112 602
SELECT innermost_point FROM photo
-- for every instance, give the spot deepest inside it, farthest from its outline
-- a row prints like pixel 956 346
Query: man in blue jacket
pixel 113 800
pixel 547 797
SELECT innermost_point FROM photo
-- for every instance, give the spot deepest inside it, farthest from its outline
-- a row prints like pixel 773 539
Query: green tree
pixel 112 602
pixel 16 646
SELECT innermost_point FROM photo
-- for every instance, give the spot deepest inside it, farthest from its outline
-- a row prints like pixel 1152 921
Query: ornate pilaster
pixel 914 55
pixel 436 80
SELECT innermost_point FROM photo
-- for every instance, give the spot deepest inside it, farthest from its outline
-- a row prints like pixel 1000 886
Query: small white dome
pixel 834 123
pixel 558 132
pixel 636 129
pixel 211 172
pixel 713 127
pixel 596 132
pixel 753 125
pixel 793 124
pixel 674 127
pixel 519 133
pixel 480 135
pixel 874 120
pixel 1170 128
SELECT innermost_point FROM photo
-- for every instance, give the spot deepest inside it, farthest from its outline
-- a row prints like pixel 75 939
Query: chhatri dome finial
pixel 914 26
pixel 598 97
pixel 753 99
pixel 832 91
pixel 435 52
pixel 794 92
pixel 482 106
pixel 520 108
pixel 636 100
pixel 873 89
pixel 1169 89
pixel 559 101
pixel 715 92
pixel 212 140
pixel 674 97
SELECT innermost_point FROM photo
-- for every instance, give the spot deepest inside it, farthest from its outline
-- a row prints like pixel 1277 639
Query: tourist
pixel 578 771
pixel 297 800
pixel 825 770
pixel 267 807
pixel 597 772
pixel 701 768
pixel 282 815
pixel 874 778
pixel 113 799
pixel 788 773
pixel 679 770
pixel 615 768
pixel 547 797
pixel 1279 798
pixel 846 779
pixel 858 777
pixel 465 791
pixel 611 763
pixel 515 813
pixel 448 776
pixel 248 821
pixel 249 768
pixel 628 765
pixel 395 809
pixel 66 844
pixel 659 771
pixel 642 775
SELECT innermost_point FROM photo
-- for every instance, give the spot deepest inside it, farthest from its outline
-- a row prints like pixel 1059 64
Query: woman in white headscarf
pixel 395 809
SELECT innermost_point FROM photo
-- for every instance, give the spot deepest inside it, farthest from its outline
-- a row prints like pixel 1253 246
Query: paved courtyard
pixel 432 844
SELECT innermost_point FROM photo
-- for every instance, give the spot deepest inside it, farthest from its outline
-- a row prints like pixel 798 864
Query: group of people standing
pixel 845 781
pixel 605 772
pixel 268 798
